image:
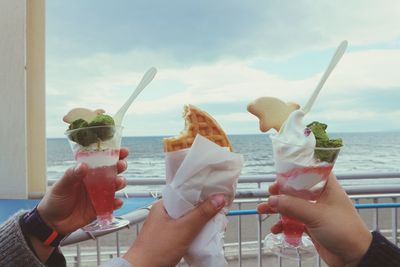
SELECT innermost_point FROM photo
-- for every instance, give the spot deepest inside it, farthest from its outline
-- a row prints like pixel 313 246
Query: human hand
pixel 163 241
pixel 336 229
pixel 66 207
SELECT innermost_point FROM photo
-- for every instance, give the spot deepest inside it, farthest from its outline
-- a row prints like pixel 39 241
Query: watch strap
pixel 33 224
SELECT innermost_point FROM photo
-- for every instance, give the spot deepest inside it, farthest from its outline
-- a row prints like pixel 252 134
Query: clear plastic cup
pixel 303 178
pixel 98 147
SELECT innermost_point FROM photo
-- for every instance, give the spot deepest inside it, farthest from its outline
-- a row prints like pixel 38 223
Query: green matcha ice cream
pixel 86 133
pixel 323 141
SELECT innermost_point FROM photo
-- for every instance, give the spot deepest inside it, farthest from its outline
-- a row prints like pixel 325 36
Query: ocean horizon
pixel 366 152
pixel 394 131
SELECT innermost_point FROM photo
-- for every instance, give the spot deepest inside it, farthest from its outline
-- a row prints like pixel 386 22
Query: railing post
pixel 259 221
pixel 78 255
pixel 98 251
pixel 357 201
pixel 318 261
pixel 394 223
pixel 117 243
pixel 376 215
pixel 279 261
pixel 259 229
pixel 299 261
pixel 240 236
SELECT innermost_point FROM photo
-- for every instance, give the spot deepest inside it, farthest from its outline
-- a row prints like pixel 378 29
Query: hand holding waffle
pixel 174 233
pixel 199 165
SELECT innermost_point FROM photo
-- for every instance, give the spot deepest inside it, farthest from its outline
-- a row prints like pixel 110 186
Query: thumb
pixel 74 175
pixel 296 208
pixel 199 216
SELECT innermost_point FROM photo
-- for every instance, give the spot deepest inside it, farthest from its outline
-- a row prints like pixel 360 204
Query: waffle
pixel 200 122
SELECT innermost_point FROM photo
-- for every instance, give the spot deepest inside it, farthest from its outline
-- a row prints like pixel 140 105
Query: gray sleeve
pixel 117 262
pixel 14 251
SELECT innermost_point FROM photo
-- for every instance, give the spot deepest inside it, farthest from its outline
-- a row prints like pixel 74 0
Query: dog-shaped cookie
pixel 272 112
pixel 82 113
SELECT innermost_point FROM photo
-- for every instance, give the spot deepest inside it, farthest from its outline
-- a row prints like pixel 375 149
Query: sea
pixel 377 152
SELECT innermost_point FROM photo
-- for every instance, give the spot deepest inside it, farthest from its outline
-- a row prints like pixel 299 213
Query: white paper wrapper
pixel 192 176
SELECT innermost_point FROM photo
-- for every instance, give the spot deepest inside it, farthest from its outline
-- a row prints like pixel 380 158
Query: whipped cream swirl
pixel 294 142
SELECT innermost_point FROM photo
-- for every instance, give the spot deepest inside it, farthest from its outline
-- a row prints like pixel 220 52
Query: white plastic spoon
pixel 147 78
pixel 335 59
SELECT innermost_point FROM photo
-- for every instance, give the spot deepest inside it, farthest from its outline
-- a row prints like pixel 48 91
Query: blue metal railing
pixel 357 206
pixel 255 248
pixel 242 249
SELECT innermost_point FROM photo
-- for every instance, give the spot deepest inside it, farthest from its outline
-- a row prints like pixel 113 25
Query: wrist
pixel 138 257
pixel 45 218
pixel 132 256
pixel 32 224
pixel 360 248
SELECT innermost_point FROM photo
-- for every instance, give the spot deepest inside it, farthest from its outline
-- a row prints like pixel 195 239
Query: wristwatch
pixel 33 224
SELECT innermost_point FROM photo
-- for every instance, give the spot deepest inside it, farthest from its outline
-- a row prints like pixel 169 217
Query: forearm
pixel 138 256
pixel 42 251
pixel 134 258
pixel 14 250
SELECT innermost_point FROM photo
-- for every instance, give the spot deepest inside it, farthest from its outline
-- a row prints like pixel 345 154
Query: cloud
pixel 368 69
pixel 206 53
pixel 200 32
pixel 350 115
pixel 359 120
pixel 235 117
pixel 360 73
pixel 223 81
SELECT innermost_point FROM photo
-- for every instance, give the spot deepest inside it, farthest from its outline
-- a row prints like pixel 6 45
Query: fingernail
pixel 218 201
pixel 78 171
pixel 125 164
pixel 258 209
pixel 273 201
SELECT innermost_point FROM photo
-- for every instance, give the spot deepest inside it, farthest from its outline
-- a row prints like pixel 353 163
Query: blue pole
pixel 357 206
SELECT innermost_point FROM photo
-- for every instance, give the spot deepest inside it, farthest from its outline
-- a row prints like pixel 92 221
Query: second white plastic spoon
pixel 335 59
pixel 147 78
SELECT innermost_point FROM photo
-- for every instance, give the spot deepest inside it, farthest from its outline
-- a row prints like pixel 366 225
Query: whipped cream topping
pixel 294 142
pixel 100 158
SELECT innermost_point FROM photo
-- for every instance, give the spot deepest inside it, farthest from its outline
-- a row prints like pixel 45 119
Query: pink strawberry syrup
pixel 293 229
pixel 100 182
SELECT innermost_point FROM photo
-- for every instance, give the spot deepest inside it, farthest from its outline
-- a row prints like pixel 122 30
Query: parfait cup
pixel 303 175
pixel 98 147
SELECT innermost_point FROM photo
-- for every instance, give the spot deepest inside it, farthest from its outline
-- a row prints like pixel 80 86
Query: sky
pixel 221 55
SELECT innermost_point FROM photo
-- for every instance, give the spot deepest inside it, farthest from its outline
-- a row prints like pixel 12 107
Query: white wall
pixel 13 144
pixel 22 98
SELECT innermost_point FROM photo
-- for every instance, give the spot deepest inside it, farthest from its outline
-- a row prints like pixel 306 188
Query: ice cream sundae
pixel 304 156
pixel 95 140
